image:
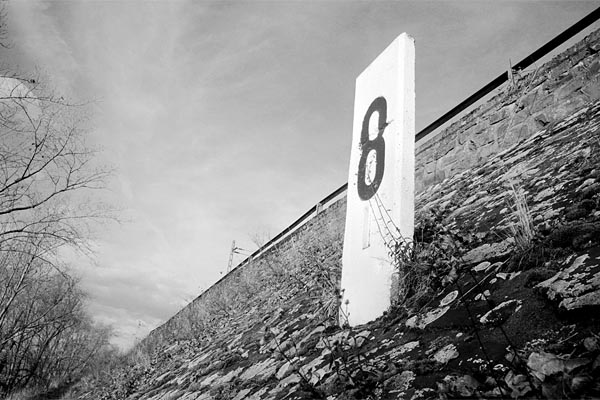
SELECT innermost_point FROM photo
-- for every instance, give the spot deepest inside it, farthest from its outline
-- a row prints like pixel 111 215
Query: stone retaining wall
pixel 330 219
pixel 535 100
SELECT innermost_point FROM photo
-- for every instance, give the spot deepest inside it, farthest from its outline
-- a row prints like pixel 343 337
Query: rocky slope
pixel 511 319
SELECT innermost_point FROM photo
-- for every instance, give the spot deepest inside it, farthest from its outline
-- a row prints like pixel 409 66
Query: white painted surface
pixel 377 218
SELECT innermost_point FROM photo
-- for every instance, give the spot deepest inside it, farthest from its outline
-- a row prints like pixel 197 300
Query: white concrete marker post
pixel 380 200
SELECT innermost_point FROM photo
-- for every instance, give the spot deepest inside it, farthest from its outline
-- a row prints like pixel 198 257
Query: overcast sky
pixel 229 118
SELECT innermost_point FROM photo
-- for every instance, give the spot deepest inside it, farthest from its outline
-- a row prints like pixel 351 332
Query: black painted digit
pixel 367 190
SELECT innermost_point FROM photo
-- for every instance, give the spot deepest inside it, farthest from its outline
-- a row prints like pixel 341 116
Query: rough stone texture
pixel 329 221
pixel 578 286
pixel 542 169
pixel 503 329
pixel 537 99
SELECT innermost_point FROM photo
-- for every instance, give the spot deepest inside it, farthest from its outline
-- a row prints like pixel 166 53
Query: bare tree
pixel 43 161
pixel 48 177
pixel 260 237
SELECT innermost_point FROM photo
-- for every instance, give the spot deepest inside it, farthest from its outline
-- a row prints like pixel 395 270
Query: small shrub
pixel 522 230
pixel 529 251
pixel 429 262
pixel 356 377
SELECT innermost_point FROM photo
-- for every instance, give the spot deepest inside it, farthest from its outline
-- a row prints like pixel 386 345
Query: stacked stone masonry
pixel 536 99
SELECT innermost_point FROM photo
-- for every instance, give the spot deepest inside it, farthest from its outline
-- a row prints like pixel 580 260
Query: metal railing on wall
pixel 304 218
pixel 492 85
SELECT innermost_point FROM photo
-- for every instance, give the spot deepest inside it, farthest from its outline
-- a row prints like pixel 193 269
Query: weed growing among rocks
pixel 429 262
pixel 355 375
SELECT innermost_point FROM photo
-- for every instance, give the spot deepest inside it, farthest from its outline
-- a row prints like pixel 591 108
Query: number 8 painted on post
pixel 368 190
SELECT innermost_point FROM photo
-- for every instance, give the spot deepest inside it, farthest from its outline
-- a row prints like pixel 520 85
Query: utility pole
pixel 234 250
